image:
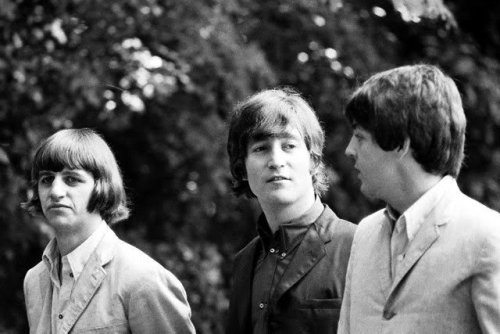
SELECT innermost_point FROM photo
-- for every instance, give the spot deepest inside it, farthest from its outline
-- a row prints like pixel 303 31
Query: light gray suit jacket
pixel 449 280
pixel 120 290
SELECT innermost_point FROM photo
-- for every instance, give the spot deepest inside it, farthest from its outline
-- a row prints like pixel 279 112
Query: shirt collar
pixel 51 259
pixel 291 233
pixel 416 214
pixel 81 254
pixel 77 258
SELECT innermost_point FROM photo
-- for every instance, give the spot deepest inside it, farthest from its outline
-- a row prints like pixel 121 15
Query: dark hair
pixel 82 149
pixel 417 102
pixel 267 113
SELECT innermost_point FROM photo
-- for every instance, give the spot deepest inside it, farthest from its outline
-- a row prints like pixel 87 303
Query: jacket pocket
pixel 108 329
pixel 333 303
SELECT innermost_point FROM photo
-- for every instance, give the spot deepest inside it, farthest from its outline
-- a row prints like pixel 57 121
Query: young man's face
pixel 64 197
pixel 278 169
pixel 374 165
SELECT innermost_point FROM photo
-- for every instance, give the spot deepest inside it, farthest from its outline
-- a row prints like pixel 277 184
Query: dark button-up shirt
pixel 276 252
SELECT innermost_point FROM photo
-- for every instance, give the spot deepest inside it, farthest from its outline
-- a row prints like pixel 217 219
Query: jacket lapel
pixel 423 240
pixel 425 237
pixel 89 280
pixel 242 287
pixel 309 252
pixel 441 214
pixel 46 309
pixel 383 257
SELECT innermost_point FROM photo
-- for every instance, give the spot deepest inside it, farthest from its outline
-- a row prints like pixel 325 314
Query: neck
pixel 69 239
pixel 411 189
pixel 278 213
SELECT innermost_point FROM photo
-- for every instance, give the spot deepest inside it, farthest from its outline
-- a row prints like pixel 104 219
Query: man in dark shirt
pixel 290 278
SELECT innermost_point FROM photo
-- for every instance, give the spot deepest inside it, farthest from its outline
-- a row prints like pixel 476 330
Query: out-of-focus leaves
pixel 415 10
pixel 410 10
pixel 158 78
pixel 4 159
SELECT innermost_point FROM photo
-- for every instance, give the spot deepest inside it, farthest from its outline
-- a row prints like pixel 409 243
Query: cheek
pixel 83 197
pixel 251 168
pixel 42 196
pixel 88 194
pixel 251 176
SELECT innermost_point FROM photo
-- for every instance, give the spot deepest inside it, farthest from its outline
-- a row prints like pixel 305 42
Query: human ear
pixel 315 163
pixel 405 149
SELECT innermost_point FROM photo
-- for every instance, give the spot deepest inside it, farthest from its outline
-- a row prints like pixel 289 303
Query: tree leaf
pixel 415 10
pixel 4 158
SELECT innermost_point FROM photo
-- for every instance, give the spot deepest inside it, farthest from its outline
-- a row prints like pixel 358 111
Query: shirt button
pixel 70 274
pixel 401 257
pixel 60 316
pixel 283 254
pixel 262 305
pixel 272 250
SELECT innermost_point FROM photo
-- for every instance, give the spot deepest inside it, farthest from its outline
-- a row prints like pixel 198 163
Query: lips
pixel 277 178
pixel 58 206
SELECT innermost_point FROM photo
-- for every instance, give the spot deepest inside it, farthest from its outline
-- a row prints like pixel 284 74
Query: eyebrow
pixel 66 172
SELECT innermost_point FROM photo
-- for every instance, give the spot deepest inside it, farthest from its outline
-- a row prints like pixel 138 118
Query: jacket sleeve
pixel 159 305
pixel 345 313
pixel 26 292
pixel 345 310
pixel 486 284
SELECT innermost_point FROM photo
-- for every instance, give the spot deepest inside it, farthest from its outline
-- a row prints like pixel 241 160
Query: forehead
pixel 286 132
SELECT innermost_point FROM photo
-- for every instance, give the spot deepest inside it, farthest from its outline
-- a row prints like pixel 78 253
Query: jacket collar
pixel 289 234
pixel 440 213
pixel 87 284
pixel 310 251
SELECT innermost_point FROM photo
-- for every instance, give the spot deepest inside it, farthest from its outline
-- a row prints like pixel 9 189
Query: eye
pixel 72 180
pixel 256 148
pixel 290 145
pixel 45 179
pixel 358 136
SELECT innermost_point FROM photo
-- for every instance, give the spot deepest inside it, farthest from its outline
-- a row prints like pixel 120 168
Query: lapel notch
pixel 309 252
pixel 90 279
pixel 424 239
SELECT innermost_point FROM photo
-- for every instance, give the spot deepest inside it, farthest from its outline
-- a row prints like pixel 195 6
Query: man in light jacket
pixel 89 280
pixel 430 261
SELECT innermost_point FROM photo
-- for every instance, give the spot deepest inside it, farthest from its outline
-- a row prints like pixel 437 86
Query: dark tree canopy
pixel 158 79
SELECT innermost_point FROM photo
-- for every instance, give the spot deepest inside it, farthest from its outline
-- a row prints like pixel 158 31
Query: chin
pixel 281 199
pixel 367 193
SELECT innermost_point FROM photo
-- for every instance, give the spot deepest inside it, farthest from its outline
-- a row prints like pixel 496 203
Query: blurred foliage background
pixel 158 78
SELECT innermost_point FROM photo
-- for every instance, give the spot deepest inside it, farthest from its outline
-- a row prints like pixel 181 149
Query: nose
pixel 349 151
pixel 57 188
pixel 276 158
